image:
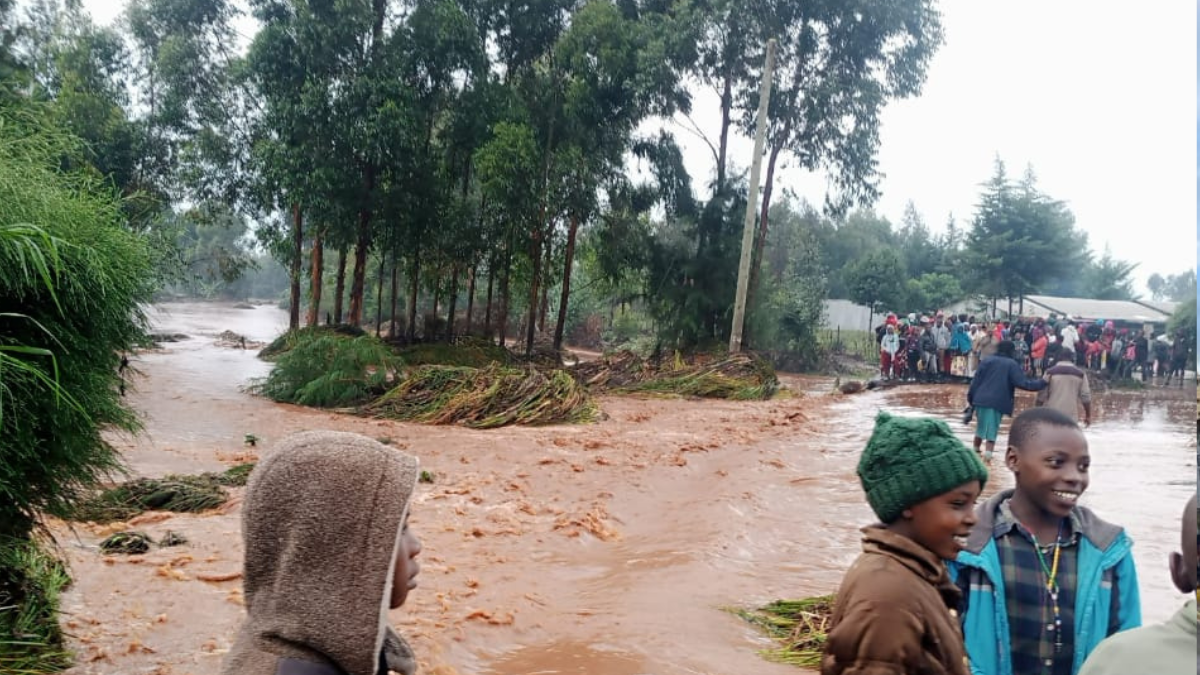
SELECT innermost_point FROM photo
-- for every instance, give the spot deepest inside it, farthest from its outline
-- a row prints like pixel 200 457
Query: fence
pixel 858 343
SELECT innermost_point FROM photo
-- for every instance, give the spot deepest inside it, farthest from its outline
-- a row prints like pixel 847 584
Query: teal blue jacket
pixel 1102 546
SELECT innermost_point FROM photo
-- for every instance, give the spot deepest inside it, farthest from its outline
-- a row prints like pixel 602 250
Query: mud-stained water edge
pixel 607 549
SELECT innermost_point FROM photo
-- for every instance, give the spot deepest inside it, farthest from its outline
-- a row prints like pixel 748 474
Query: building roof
pixel 1164 306
pixel 1085 309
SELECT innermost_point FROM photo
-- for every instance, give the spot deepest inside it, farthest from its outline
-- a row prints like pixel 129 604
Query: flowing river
pixel 609 548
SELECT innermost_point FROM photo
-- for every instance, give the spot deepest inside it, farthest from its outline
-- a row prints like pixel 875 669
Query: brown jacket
pixel 321 524
pixel 895 613
pixel 1066 388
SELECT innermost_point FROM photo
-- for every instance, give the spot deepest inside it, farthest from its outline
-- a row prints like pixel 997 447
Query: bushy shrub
pixel 329 370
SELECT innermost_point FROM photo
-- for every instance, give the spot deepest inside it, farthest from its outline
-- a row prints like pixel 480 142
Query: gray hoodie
pixel 321 524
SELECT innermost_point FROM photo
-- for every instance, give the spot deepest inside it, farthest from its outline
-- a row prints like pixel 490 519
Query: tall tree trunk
pixel 760 242
pixel 413 287
pixel 470 297
pixel 297 257
pixel 379 298
pixel 360 250
pixel 318 268
pixel 392 332
pixel 544 307
pixel 340 291
pixel 726 122
pixel 535 259
pixel 437 292
pixel 453 303
pixel 504 293
pixel 566 283
pixel 487 311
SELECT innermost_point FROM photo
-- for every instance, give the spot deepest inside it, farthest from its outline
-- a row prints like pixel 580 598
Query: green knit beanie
pixel 910 460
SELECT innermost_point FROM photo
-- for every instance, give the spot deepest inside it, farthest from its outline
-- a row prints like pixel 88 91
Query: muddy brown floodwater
pixel 603 549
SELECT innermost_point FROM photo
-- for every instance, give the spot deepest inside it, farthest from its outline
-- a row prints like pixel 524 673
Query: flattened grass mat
pixel 740 377
pixel 798 627
pixel 170 493
pixel 484 398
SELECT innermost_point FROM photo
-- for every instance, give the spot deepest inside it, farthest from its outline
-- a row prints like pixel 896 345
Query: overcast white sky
pixel 1099 97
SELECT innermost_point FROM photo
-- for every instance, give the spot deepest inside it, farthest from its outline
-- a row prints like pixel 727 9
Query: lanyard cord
pixel 1051 572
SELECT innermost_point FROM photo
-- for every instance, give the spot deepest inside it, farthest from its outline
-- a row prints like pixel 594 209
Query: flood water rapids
pixel 609 549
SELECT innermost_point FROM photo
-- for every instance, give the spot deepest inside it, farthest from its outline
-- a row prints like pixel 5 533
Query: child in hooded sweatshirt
pixel 1045 579
pixel 328 553
pixel 895 610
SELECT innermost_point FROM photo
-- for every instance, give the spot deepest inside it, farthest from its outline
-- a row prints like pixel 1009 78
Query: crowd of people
pixel 941 347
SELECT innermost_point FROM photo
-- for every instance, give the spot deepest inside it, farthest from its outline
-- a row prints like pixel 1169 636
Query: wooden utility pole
pixel 739 304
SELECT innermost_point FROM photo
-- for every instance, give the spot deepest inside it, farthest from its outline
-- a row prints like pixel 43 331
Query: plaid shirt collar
pixel 1006 522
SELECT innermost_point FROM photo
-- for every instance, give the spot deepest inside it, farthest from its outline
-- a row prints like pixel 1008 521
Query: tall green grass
pixel 30 637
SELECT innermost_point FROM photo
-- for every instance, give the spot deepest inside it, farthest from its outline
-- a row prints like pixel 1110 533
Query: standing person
pixel 1162 354
pixel 1045 579
pixel 960 348
pixel 1068 337
pixel 328 553
pixel 1021 350
pixel 1163 648
pixel 1129 360
pixel 1037 353
pixel 942 336
pixel 888 346
pixel 1067 390
pixel 900 358
pixel 1116 350
pixel 896 607
pixel 1179 359
pixel 929 355
pixel 913 344
pixel 1141 347
pixel 984 344
pixel 993 394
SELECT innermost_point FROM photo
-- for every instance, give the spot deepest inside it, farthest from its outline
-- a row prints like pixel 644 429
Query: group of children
pixel 1027 583
pixel 938 347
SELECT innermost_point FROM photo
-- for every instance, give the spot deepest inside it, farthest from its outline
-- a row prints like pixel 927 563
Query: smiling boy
pixel 1045 579
pixel 896 608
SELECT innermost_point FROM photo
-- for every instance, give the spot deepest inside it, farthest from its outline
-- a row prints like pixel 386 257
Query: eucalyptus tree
pixel 508 167
pixel 837 65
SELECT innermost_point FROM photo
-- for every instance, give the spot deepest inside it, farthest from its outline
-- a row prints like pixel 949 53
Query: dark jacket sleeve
pixel 1016 378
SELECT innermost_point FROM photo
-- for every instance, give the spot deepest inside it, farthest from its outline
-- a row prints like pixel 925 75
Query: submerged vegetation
pixel 484 398
pixel 741 377
pixel 800 627
pixel 474 384
pixel 181 494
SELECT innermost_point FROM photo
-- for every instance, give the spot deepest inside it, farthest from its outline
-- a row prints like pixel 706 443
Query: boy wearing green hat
pixel 896 608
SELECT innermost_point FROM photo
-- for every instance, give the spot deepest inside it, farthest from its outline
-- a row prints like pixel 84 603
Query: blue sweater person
pixel 993 392
pixel 1044 579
